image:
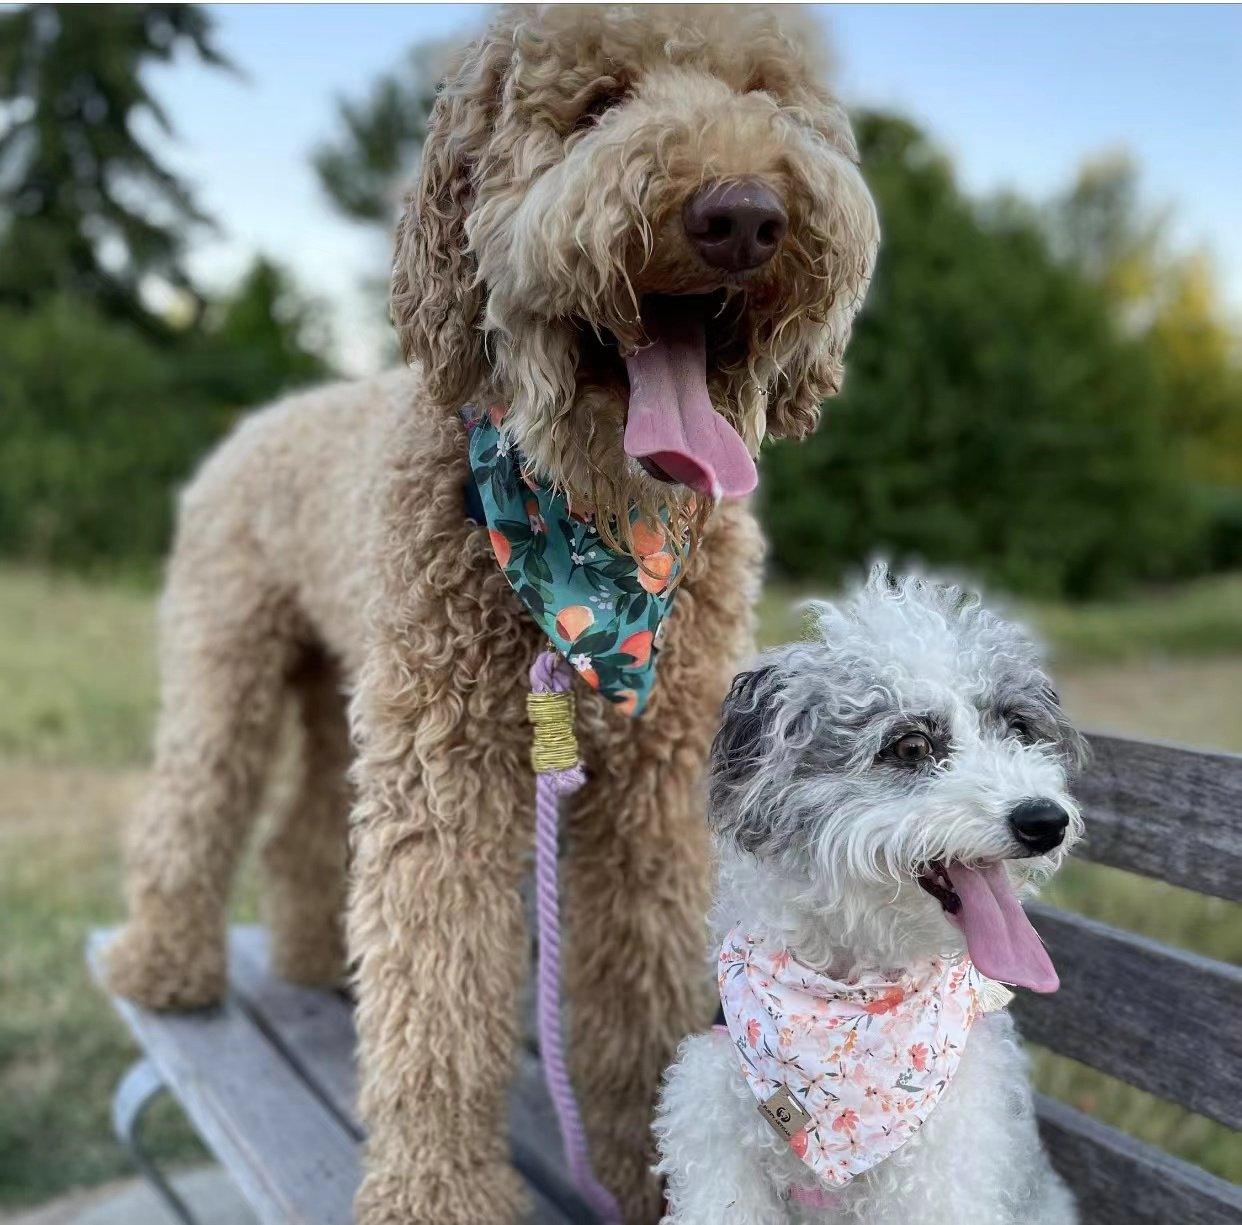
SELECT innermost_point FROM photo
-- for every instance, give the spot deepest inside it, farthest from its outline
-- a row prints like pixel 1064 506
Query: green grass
pixel 77 669
pixel 77 673
pixel 1194 620
pixel 61 1049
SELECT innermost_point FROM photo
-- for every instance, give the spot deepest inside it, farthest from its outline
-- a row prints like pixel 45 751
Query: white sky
pixel 1019 95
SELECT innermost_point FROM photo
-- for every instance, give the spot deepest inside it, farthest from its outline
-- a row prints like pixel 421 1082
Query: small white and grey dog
pixel 879 797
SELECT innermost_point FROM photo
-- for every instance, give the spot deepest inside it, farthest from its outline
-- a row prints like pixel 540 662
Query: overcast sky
pixel 1019 95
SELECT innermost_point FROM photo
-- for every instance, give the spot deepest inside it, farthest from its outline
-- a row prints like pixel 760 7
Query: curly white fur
pixel 821 839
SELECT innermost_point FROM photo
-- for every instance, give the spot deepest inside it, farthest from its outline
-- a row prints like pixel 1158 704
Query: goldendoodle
pixel 638 239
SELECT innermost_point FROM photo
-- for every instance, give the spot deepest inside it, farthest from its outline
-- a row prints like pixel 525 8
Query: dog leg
pixel 225 644
pixel 305 854
pixel 443 829
pixel 706 1126
pixel 638 882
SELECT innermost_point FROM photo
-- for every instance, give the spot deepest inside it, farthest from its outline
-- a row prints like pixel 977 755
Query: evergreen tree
pixel 364 167
pixel 86 208
pixel 264 339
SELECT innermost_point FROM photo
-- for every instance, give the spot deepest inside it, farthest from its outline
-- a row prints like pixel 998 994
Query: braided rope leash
pixel 558 772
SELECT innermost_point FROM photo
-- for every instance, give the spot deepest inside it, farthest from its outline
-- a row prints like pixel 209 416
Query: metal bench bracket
pixel 139 1087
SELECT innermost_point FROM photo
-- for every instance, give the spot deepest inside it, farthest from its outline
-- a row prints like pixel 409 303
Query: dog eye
pixel 911 748
pixel 1022 730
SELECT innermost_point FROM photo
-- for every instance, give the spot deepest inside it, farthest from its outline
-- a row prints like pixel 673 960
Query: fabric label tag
pixel 787 1117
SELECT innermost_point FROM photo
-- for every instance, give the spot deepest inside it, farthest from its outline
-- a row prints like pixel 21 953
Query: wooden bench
pixel 1161 1019
pixel 268 1080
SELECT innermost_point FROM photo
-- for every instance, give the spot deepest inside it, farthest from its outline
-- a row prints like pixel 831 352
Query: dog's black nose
pixel 735 225
pixel 1039 825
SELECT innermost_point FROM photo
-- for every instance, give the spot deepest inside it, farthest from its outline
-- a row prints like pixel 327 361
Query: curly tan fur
pixel 324 551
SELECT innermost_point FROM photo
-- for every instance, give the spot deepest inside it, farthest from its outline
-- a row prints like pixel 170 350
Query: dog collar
pixel 847 1071
pixel 599 608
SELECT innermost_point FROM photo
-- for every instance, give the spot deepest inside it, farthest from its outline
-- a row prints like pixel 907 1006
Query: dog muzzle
pixel 846 1072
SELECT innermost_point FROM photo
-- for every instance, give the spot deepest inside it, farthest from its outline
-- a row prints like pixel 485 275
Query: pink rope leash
pixel 550 674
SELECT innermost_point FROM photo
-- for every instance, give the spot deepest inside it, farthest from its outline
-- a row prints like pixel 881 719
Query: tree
pixel 995 415
pixel 362 169
pixel 100 424
pixel 1168 298
pixel 264 339
pixel 86 209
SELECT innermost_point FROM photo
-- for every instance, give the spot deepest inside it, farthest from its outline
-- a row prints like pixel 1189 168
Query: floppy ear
pixel 815 368
pixel 1071 744
pixel 738 753
pixel 436 302
pixel 805 382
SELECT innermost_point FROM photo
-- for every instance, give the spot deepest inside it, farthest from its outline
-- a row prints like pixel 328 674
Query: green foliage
pixel 1169 301
pixel 95 433
pixel 362 168
pixel 86 209
pixel 264 339
pixel 994 416
pixel 99 425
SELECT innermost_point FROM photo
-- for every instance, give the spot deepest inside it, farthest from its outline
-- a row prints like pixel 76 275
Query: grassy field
pixel 76 672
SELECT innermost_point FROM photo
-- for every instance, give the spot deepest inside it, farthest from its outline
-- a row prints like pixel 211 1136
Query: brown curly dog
pixel 581 164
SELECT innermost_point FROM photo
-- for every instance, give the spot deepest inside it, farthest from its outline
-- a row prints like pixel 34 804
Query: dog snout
pixel 1039 825
pixel 735 226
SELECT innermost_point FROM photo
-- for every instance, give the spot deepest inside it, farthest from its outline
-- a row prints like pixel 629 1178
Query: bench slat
pixel 1122 1181
pixel 1158 1018
pixel 316 1030
pixel 1165 812
pixel 292 1160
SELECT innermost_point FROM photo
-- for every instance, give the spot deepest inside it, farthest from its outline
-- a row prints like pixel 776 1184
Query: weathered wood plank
pixel 1171 813
pixel 291 1159
pixel 1121 1181
pixel 315 1029
pixel 1156 1017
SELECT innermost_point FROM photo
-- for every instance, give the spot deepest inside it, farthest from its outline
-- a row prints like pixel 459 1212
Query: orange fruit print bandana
pixel 599 608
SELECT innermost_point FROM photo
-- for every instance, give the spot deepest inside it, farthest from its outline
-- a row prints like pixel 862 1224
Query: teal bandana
pixel 598 607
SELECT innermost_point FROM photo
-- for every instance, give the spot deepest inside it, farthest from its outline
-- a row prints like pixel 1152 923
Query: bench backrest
pixel 1163 1020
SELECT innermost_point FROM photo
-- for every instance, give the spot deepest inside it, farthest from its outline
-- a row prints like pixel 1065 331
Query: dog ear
pixel 741 746
pixel 1072 745
pixel 802 386
pixel 436 301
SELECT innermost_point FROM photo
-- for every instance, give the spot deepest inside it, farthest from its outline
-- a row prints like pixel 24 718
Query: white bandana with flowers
pixel 867 1059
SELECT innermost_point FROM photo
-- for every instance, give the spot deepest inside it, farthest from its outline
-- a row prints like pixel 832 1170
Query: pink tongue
pixel 1001 941
pixel 671 419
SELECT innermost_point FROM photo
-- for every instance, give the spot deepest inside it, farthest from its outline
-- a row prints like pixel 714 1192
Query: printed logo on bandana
pixel 866 1060
pixel 600 609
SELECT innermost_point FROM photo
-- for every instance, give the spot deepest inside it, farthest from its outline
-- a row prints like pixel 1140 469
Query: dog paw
pixel 477 1195
pixel 145 966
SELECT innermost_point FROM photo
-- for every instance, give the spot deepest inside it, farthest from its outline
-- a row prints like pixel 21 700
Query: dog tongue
pixel 671 420
pixel 1001 941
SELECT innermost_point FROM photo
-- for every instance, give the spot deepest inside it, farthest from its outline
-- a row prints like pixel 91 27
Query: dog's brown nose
pixel 735 225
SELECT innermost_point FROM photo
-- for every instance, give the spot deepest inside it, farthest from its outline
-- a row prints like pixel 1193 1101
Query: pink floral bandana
pixel 846 1071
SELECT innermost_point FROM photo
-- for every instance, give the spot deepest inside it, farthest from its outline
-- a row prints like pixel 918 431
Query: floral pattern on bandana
pixel 598 607
pixel 867 1059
